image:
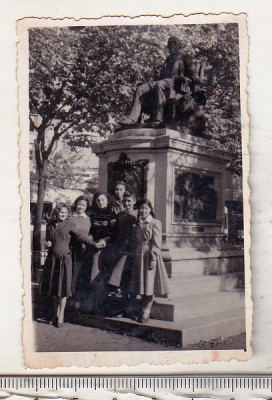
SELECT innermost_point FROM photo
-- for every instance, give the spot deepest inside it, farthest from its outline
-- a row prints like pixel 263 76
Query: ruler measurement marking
pixel 189 383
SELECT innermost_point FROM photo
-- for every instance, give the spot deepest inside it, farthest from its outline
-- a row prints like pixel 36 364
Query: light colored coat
pixel 147 281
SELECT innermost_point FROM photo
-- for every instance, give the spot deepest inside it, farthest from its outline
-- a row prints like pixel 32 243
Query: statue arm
pixel 157 70
pixel 191 68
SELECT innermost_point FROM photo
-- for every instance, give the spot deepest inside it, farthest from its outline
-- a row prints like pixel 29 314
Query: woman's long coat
pixel 147 281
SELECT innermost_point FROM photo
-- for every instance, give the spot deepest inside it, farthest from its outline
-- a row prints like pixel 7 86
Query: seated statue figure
pixel 176 90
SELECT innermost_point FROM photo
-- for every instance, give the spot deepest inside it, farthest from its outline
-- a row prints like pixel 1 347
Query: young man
pixel 119 191
pixel 124 248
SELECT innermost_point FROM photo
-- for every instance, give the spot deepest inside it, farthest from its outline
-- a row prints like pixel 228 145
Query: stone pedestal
pixel 186 179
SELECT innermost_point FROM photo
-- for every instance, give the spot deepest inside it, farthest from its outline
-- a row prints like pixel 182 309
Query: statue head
pixel 174 45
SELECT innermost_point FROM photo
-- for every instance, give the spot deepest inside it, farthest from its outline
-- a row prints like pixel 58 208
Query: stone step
pixel 194 285
pixel 190 331
pixel 208 266
pixel 182 308
pixel 218 325
pixel 179 308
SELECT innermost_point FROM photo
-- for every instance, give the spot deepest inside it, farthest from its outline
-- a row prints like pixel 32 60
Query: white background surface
pixel 260 109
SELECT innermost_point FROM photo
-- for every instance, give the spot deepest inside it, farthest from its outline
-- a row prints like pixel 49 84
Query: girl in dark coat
pixel 92 280
pixel 103 231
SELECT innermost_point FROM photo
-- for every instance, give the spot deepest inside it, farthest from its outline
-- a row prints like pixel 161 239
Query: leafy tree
pixel 82 80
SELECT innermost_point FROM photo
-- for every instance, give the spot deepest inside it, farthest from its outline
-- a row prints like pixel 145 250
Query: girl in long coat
pixel 56 279
pixel 92 280
pixel 149 277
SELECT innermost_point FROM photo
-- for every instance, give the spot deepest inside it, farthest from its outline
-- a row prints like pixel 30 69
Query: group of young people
pixel 113 250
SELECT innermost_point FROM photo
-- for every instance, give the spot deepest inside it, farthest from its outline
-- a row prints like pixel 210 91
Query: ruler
pixel 138 387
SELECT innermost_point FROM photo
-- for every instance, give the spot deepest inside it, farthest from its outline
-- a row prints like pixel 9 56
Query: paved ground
pixel 75 338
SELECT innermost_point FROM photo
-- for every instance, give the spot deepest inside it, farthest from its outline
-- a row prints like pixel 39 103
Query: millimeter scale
pixel 137 387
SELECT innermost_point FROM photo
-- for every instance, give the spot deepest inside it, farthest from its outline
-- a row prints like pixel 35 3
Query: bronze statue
pixel 176 90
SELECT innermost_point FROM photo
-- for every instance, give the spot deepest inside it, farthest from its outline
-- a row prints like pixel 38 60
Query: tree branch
pixel 32 125
pixel 37 154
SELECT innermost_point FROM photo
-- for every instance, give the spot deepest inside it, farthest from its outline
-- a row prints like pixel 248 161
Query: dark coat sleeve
pixel 50 232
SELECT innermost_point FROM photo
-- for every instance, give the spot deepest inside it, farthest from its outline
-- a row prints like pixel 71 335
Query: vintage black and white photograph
pixel 134 165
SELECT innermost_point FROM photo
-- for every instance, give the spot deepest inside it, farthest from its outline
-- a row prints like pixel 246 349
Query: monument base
pixel 186 179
